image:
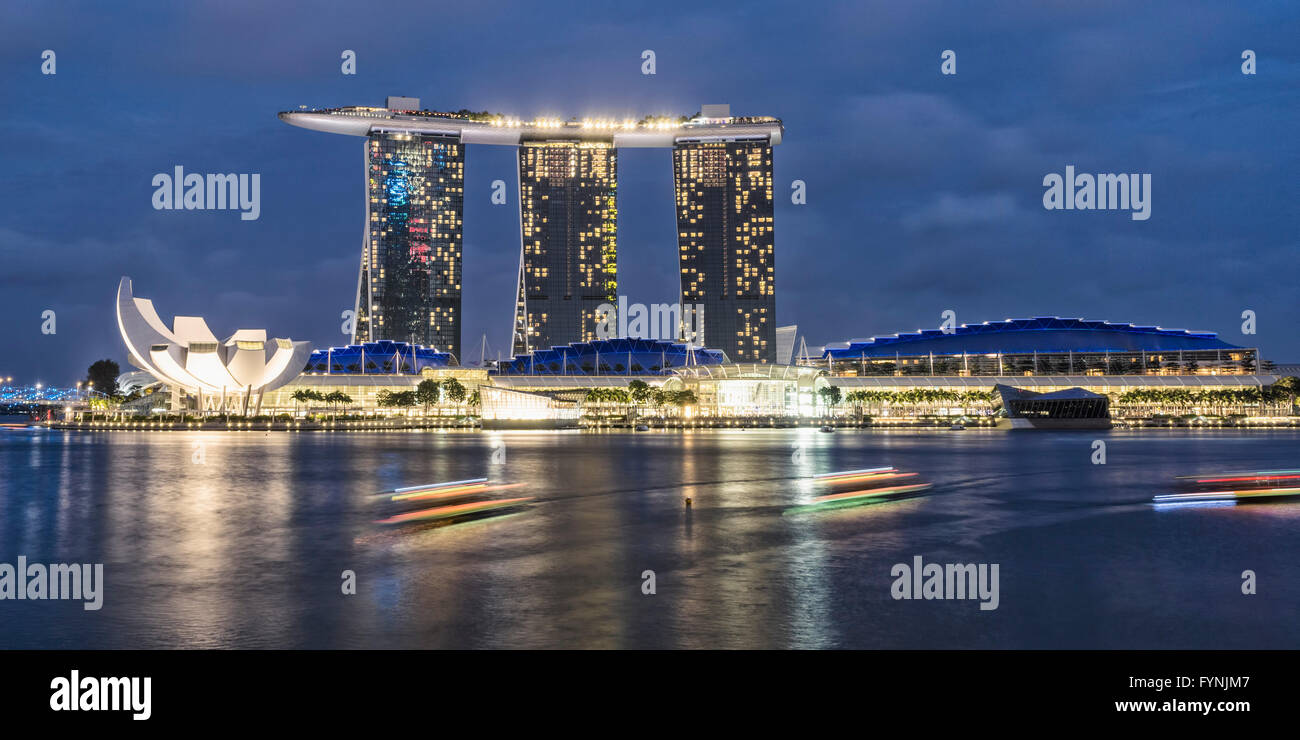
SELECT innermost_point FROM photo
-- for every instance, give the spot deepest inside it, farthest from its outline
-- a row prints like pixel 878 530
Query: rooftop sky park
pixel 404 115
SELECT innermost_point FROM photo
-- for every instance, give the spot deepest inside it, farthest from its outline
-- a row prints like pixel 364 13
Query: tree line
pixel 428 392
pixel 640 393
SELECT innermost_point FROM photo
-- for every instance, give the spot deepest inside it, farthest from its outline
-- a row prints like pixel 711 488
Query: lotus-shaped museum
pixel 189 357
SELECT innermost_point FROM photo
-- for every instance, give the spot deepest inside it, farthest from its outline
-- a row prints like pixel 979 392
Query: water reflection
pixel 245 544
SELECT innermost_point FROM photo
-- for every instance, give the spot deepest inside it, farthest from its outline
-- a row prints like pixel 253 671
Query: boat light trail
pixel 871 493
pixel 830 477
pixel 1226 495
pixel 439 493
pixel 444 512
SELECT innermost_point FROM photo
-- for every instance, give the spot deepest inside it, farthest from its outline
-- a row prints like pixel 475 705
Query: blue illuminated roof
pixel 377 358
pixel 624 356
pixel 1045 334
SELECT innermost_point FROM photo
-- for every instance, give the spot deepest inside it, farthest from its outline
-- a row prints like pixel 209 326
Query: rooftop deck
pixel 501 130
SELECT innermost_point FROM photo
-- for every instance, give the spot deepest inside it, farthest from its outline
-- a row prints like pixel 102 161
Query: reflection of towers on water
pixel 568 226
pixel 409 288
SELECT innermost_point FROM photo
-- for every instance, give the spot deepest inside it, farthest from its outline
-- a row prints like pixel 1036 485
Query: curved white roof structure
pixel 503 131
pixel 191 357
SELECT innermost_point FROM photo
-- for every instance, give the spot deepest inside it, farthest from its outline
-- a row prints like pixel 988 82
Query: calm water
pixel 247 548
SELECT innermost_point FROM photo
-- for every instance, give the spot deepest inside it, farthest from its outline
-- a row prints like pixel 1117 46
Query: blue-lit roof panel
pixel 1044 334
pixel 623 356
pixel 384 357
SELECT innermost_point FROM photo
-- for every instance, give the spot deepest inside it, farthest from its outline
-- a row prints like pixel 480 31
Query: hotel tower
pixel 568 225
pixel 725 238
pixel 409 287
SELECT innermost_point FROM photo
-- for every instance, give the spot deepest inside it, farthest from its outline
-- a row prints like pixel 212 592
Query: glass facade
pixel 726 243
pixel 568 220
pixel 1237 361
pixel 409 289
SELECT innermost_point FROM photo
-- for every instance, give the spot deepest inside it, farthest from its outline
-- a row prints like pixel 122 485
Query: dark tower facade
pixel 409 289
pixel 568 225
pixel 726 243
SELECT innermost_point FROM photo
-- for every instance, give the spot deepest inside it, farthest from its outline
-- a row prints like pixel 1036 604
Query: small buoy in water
pixel 688 502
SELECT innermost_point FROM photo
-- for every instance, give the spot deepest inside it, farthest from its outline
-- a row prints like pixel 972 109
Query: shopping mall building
pixel 1042 354
pixel 928 372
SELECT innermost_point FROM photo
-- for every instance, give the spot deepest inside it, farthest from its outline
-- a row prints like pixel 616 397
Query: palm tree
pixel 304 395
pixel 334 398
pixel 596 397
pixel 604 397
pixel 301 395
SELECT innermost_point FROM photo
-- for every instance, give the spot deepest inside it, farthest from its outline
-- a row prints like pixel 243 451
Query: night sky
pixel 924 191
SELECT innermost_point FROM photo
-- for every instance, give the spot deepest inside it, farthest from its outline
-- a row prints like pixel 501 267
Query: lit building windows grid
pixel 410 284
pixel 726 243
pixel 568 231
